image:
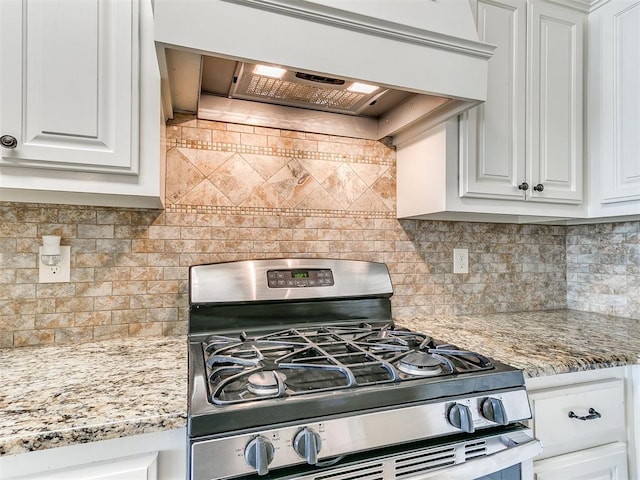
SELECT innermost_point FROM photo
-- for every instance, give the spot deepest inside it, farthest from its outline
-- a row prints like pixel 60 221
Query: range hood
pixel 362 68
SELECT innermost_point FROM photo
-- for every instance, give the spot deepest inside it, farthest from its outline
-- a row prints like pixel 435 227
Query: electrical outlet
pixel 55 273
pixel 460 260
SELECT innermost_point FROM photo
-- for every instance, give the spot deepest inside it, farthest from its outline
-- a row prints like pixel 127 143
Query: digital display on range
pixel 294 278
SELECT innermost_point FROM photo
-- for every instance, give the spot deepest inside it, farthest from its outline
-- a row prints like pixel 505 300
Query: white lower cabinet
pixel 152 456
pixel 608 462
pixel 136 467
pixel 585 421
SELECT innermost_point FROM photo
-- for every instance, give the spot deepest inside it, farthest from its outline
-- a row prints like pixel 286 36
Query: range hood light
pixel 362 88
pixel 267 71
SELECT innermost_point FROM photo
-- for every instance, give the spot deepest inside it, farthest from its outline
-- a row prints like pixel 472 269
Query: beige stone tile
pixel 369 202
pixel 10 323
pixel 182 176
pixel 93 289
pixel 111 302
pixel 253 140
pixel 145 329
pixel 206 161
pixel 145 301
pixel 147 246
pixel 104 332
pixel 223 136
pixel 344 186
pixel 174 328
pixel 163 286
pixel 196 134
pixel 55 290
pixel 164 232
pixel 265 196
pixel 84 319
pixel 73 334
pixel 266 165
pixel 73 304
pixel 205 193
pixel 33 337
pixel 181 219
pixel 162 315
pixel 129 288
pixel 305 145
pixel 293 182
pixel 236 179
pixel 6 339
pixel 281 143
pixel 146 273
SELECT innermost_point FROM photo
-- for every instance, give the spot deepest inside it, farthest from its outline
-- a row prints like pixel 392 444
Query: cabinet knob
pixel 7 141
pixel 523 186
pixel 539 187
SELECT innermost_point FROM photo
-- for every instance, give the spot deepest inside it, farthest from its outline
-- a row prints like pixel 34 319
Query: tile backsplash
pixel 603 268
pixel 238 192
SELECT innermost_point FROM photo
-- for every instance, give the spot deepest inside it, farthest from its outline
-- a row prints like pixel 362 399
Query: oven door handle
pixel 481 466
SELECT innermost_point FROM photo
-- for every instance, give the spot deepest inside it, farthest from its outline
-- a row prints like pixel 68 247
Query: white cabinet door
pixel 556 41
pixel 69 84
pixel 525 142
pixel 608 462
pixel 617 100
pixel 493 134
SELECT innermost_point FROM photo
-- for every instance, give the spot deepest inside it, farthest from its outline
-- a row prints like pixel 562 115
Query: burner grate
pixel 312 359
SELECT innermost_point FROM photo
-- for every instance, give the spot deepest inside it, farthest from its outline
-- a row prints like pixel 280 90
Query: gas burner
pixel 424 364
pixel 265 383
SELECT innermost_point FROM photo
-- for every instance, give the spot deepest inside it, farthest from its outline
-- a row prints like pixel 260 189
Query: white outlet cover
pixel 60 273
pixel 460 260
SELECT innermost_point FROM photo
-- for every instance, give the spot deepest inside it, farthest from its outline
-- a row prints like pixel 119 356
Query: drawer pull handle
pixel 593 414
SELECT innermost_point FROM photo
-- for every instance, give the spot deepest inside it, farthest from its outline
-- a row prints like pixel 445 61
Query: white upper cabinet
pixel 614 109
pixel 525 142
pixel 75 62
pixel 519 156
pixel 71 116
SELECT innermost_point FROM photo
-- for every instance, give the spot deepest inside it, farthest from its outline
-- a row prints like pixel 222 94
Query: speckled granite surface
pixel 62 395
pixel 66 394
pixel 541 343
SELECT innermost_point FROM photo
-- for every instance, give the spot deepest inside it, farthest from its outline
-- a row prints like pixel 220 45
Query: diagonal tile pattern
pixel 310 177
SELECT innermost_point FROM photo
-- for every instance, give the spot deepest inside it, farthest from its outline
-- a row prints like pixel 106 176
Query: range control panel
pixel 299 278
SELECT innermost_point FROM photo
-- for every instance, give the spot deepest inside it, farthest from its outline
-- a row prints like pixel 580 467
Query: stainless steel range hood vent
pixel 300 89
pixel 422 56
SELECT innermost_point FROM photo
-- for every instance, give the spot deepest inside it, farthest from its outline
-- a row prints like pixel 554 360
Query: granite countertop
pixel 68 394
pixel 541 343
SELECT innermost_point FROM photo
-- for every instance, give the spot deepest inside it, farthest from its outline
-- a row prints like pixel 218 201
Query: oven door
pixel 497 456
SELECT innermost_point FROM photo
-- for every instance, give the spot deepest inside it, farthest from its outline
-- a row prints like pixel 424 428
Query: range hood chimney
pixel 422 57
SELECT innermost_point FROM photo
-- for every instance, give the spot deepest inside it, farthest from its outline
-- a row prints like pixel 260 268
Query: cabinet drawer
pixel 560 433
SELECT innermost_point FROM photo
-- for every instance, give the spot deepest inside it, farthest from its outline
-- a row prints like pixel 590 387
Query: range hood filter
pixel 298 89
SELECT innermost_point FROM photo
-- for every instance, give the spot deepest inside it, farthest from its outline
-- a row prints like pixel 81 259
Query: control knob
pixel 460 417
pixel 493 409
pixel 307 444
pixel 259 454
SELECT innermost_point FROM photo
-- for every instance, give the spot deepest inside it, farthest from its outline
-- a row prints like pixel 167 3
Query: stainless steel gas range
pixel 297 371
